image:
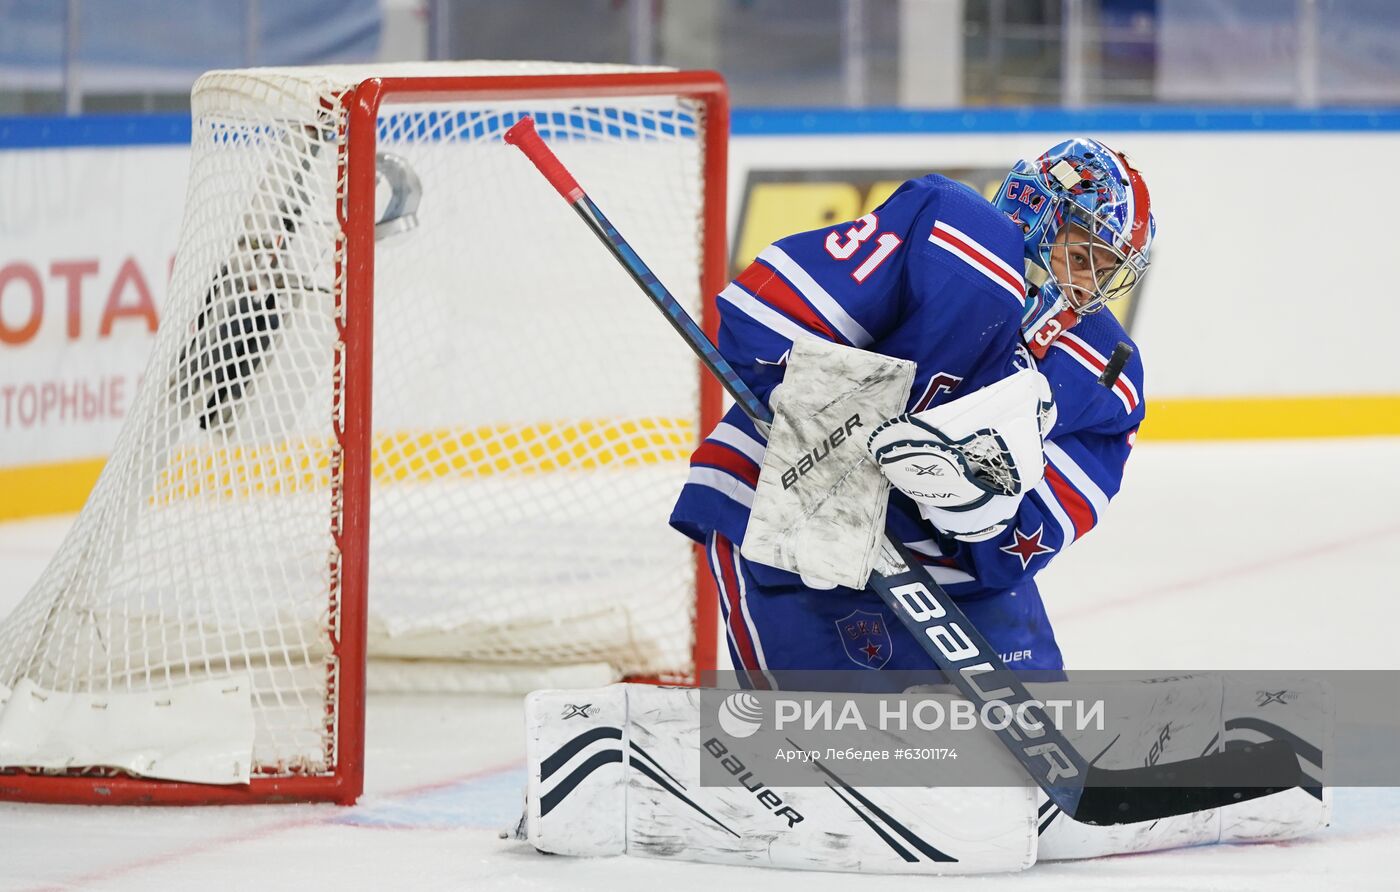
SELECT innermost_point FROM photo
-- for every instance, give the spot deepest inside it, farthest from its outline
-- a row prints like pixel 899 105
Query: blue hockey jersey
pixel 933 275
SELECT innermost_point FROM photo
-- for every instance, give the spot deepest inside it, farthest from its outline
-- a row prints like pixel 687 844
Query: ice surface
pixel 1215 557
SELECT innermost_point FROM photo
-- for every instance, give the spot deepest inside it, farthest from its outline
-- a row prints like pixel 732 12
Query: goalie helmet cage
pixel 232 536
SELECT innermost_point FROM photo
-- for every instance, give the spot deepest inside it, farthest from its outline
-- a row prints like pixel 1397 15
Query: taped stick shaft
pixel 524 137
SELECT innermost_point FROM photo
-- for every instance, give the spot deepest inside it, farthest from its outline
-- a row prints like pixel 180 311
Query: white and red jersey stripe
pixel 1070 494
pixel 752 447
pixel 729 462
pixel 764 314
pixel 1081 352
pixel 942 568
pixel 777 293
pixel 826 306
pixel 745 645
pixel 977 256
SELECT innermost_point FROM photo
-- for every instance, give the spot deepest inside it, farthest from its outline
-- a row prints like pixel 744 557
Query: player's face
pixel 1081 263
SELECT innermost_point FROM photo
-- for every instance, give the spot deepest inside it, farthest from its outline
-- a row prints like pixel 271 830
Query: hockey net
pixel 498 496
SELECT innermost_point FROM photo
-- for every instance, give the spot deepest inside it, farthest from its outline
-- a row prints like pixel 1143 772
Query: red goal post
pixel 355 460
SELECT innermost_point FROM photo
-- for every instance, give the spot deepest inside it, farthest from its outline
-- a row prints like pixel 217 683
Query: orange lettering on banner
pixel 68 403
pixel 30 276
pixel 57 402
pixel 143 308
pixel 116 396
pixel 73 271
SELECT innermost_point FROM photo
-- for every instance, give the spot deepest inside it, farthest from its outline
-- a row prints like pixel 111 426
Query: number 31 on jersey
pixel 844 248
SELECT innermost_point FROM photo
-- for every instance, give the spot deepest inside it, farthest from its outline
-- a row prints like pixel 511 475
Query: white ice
pixel 1216 556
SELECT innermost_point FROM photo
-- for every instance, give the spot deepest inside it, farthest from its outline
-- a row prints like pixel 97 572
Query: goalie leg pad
pixel 1192 716
pixel 616 770
pixel 1292 708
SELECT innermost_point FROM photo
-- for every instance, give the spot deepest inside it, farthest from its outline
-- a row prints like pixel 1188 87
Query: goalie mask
pixel 1088 226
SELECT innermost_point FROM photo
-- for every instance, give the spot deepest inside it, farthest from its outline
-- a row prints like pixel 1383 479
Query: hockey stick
pixel 1085 792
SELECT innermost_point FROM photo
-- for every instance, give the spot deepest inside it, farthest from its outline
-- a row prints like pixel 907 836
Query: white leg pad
pixel 616 770
pixel 1299 711
pixel 1186 722
pixel 1192 716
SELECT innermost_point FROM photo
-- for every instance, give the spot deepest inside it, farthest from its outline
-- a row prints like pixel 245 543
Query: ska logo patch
pixel 866 638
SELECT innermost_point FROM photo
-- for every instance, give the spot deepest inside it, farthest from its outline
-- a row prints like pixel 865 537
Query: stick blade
pixel 1127 796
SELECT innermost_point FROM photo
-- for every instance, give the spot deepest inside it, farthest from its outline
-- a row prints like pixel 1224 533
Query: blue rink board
pixel 33 132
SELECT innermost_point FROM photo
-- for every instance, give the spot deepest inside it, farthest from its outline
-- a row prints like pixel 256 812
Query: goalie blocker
pixel 617 771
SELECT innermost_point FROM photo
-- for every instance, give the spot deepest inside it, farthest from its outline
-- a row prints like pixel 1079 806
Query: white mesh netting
pixel 532 413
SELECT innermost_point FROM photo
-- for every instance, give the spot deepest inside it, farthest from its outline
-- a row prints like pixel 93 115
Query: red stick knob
pixel 525 138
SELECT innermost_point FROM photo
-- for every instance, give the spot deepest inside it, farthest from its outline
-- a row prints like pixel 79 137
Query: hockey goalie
pixel 937 372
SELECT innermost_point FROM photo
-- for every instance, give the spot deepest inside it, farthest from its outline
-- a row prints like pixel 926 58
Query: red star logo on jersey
pixel 1026 547
pixel 872 651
